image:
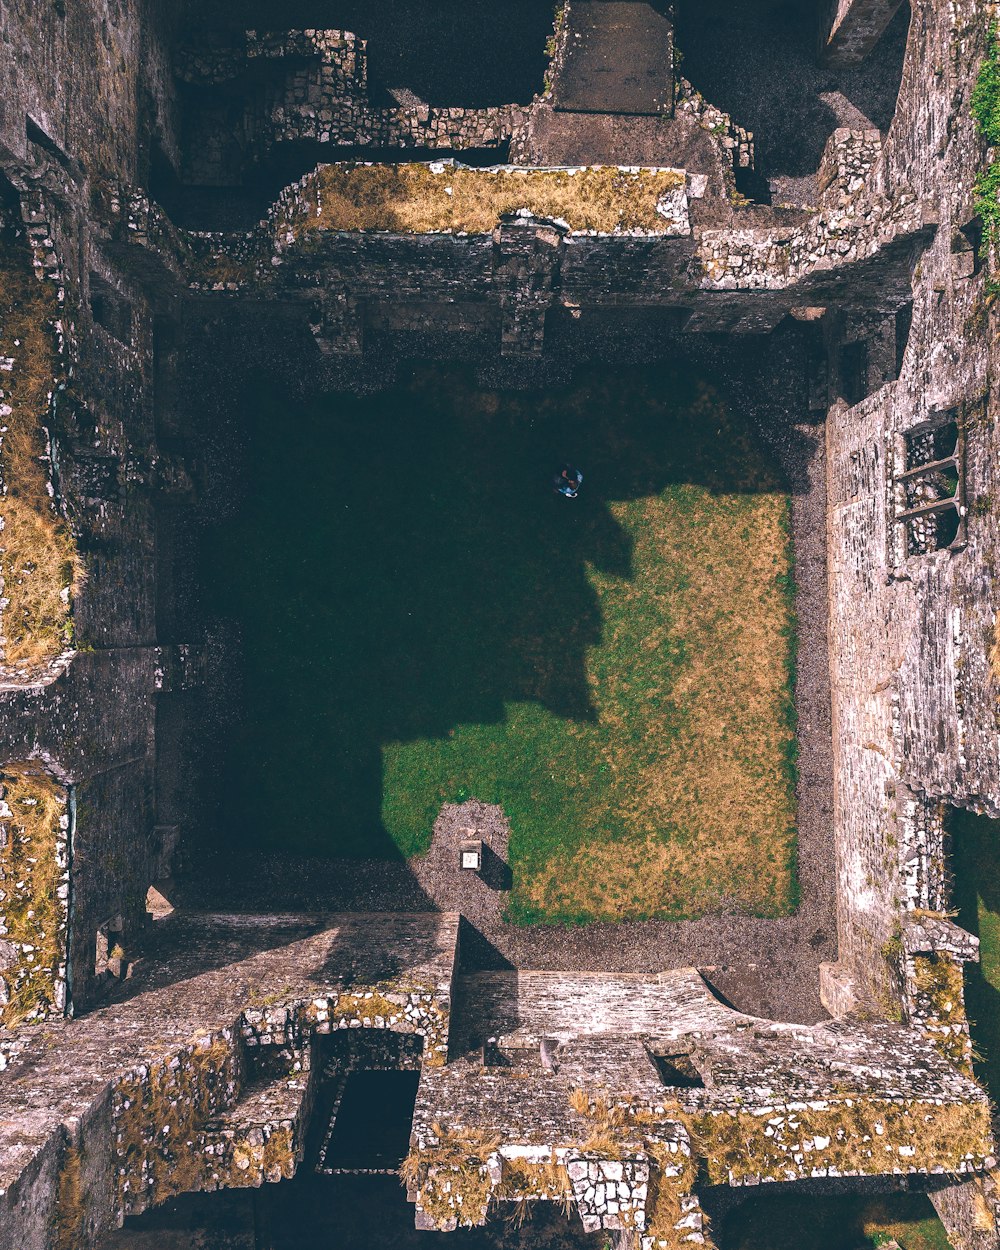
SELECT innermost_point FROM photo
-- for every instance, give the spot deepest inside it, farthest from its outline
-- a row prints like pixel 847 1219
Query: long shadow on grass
pixel 976 859
pixel 819 1221
pixel 401 567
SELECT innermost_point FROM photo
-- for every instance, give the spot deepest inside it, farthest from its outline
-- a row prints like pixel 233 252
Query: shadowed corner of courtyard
pixel 424 620
pixel 976 862
pixel 816 1221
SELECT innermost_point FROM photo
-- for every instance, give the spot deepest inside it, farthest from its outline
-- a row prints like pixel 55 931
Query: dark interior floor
pixel 319 1213
pixel 371 1213
pixel 756 60
pixel 450 52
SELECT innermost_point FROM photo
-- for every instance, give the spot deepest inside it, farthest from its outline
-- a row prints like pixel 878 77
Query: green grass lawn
pixel 811 1222
pixel 976 858
pixel 424 620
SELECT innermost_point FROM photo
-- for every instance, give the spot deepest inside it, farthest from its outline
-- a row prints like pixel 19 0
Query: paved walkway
pixel 618 59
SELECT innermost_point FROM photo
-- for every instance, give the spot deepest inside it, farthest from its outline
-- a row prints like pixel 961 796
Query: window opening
pixel 370 1126
pixel 109 958
pixel 678 1072
pixel 110 309
pixel 929 491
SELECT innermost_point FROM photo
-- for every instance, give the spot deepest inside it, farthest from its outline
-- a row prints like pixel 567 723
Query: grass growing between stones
pixel 863 1135
pixel 939 984
pixel 850 1134
pixel 425 621
pixel 32 915
pixel 452 1181
pixel 159 1115
pixel 415 199
pixel 38 559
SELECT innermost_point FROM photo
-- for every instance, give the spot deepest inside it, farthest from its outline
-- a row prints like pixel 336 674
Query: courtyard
pixel 424 621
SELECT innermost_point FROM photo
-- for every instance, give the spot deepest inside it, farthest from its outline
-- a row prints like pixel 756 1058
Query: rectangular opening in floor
pixel 371 1126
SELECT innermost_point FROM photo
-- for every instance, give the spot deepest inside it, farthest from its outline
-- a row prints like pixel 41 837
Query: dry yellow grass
pixel 33 914
pixel 414 199
pixel 160 1117
pixel 619 1130
pixel 852 1133
pixel 38 559
pixel 70 1210
pixel 450 1177
pixel 718 772
pixel 863 1135
pixel 524 1181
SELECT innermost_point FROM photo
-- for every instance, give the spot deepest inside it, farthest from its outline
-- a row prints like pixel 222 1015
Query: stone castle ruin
pixel 189 196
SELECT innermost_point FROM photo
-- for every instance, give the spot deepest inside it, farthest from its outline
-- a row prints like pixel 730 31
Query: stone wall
pixel 92 78
pixel 915 702
pixel 200 1075
pixel 315 92
pixel 96 85
pixel 914 693
pixel 35 836
pixel 617 1067
pixel 40 567
pixel 915 696
pixel 741 277
pixel 852 28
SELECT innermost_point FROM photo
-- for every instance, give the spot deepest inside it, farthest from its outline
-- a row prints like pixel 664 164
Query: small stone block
pixel 471 855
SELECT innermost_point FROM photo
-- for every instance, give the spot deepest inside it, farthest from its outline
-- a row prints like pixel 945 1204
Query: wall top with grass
pixel 443 197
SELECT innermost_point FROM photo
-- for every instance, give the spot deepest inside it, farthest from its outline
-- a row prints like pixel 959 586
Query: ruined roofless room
pixel 500 670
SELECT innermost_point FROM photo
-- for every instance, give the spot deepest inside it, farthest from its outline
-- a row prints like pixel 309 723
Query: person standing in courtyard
pixel 568 481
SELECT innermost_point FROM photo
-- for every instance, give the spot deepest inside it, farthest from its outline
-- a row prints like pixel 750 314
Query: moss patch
pixel 986 110
pixel 416 199
pixel 38 559
pixel 369 1005
pixel 986 92
pixel 32 847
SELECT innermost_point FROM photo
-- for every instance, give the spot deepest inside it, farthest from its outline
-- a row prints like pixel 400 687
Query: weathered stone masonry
pixel 652 1075
pixel 204 1080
